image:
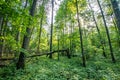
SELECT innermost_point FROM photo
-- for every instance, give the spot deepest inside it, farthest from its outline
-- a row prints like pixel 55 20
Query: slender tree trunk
pixel 63 37
pixel 63 31
pixel 81 40
pixel 41 21
pixel 21 62
pixel 1 21
pixel 1 35
pixel 51 35
pixel 58 45
pixel 70 35
pixel 72 45
pixel 107 32
pixel 98 30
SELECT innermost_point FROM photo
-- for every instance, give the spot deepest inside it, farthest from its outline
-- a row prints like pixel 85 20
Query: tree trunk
pixel 58 45
pixel 107 32
pixel 51 35
pixel 98 30
pixel 81 41
pixel 21 62
pixel 116 24
pixel 70 35
pixel 41 21
pixel 117 12
pixel 1 35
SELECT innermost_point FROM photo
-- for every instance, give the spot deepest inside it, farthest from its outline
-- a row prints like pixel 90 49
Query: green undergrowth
pixel 43 68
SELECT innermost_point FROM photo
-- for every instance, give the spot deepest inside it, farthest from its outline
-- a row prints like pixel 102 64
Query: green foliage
pixel 47 69
pixel 16 19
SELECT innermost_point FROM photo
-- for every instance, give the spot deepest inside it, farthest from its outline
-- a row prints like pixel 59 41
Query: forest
pixel 59 39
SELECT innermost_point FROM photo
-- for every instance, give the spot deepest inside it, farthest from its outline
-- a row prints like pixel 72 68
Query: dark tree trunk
pixel 81 40
pixel 21 62
pixel 71 31
pixel 107 32
pixel 117 12
pixel 98 30
pixel 58 45
pixel 1 34
pixel 116 24
pixel 63 37
pixel 56 51
pixel 51 35
pixel 3 31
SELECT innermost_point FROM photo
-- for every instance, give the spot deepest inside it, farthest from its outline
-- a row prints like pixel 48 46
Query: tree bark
pixel 51 32
pixel 81 40
pixel 107 32
pixel 1 35
pixel 98 30
pixel 116 24
pixel 41 21
pixel 48 53
pixel 117 12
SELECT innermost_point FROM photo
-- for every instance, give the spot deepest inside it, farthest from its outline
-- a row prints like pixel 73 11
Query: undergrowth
pixel 43 68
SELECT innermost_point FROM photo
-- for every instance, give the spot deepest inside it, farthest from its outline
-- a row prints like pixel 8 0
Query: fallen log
pixel 65 50
pixel 40 54
pixel 5 59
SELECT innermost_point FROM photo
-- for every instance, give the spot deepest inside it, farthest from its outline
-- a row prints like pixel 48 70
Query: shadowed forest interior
pixel 59 39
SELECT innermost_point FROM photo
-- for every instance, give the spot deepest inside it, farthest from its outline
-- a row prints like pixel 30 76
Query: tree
pixel 107 32
pixel 41 24
pixel 80 32
pixel 51 31
pixel 21 62
pixel 98 30
pixel 116 11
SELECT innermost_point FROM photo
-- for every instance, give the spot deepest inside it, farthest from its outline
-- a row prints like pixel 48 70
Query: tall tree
pixel 116 10
pixel 80 32
pixel 107 32
pixel 1 35
pixel 115 24
pixel 51 31
pixel 41 24
pixel 21 62
pixel 98 30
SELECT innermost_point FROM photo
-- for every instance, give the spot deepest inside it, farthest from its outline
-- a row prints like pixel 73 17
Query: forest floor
pixel 42 68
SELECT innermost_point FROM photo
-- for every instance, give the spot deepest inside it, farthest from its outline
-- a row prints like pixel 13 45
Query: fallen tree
pixel 5 59
pixel 40 54
pixel 21 61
